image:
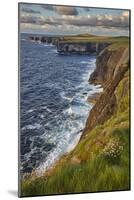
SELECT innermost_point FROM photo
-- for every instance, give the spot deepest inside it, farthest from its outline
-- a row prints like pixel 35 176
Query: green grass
pixel 95 174
pixel 83 38
pixel 101 166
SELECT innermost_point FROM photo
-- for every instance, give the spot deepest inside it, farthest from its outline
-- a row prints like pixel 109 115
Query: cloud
pixel 64 10
pixel 86 9
pixel 106 23
pixel 118 21
pixel 47 7
pixel 38 20
pixel 28 19
pixel 29 10
pixel 125 14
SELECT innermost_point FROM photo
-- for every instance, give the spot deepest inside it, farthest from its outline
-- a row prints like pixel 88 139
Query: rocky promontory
pixel 81 47
pixel 78 47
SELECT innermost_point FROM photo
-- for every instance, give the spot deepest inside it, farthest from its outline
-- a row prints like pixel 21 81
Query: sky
pixel 70 20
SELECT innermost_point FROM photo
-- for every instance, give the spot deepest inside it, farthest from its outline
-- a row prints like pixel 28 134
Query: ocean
pixel 53 103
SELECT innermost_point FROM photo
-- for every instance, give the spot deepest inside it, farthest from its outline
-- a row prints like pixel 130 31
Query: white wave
pixel 30 126
pixel 47 44
pixel 64 96
pixel 84 62
pixel 66 144
pixel 41 116
pixel 68 98
pixel 31 110
pixel 46 108
pixel 73 144
pixel 66 136
pixel 54 51
pixel 95 89
pixel 70 112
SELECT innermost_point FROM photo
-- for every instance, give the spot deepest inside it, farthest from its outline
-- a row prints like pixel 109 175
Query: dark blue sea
pixel 53 102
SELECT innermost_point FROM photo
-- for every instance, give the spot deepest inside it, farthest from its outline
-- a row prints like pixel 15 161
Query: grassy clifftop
pixel 100 161
pixel 121 40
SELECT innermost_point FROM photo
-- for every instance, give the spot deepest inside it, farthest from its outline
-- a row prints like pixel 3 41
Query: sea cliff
pixel 111 66
pixel 100 161
pixel 64 47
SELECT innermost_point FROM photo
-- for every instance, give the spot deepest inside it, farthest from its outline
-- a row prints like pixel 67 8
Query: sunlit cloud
pixel 63 10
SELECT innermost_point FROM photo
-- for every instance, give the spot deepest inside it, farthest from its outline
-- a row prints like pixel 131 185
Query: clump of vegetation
pixel 113 150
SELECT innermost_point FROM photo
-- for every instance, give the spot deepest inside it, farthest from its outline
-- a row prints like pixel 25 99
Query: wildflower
pixel 113 149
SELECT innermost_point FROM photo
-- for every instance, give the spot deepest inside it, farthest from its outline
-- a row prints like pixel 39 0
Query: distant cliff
pixel 45 39
pixel 64 47
pixel 81 47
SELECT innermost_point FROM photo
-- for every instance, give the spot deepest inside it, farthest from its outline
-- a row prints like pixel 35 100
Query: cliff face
pixel 107 64
pixel 83 47
pixel 111 67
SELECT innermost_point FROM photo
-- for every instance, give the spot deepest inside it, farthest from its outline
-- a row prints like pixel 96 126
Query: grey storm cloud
pixel 29 10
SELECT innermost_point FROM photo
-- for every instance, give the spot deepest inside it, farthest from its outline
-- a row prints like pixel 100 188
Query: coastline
pixel 107 123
